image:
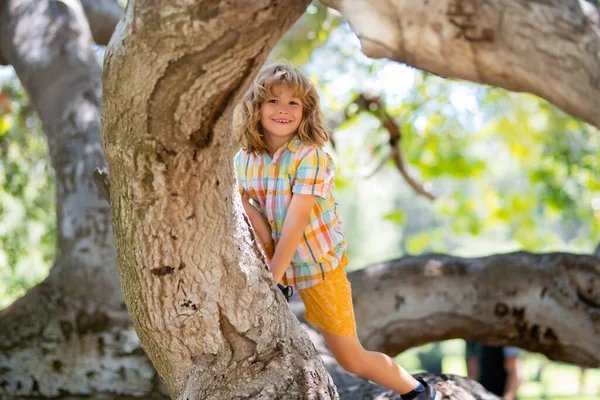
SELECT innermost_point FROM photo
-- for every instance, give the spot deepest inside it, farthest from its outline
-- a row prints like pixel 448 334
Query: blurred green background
pixel 509 172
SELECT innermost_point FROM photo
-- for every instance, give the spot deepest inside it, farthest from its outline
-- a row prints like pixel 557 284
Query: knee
pixel 351 363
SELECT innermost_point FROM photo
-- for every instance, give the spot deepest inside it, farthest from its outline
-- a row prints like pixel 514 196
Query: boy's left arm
pixel 259 224
pixel 295 222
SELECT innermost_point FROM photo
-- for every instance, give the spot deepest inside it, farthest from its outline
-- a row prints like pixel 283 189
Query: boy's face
pixel 281 113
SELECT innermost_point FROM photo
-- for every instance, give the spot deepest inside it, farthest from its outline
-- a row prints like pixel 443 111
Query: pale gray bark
pixel 548 48
pixel 70 335
pixel 103 16
pixel 547 303
pixel 200 297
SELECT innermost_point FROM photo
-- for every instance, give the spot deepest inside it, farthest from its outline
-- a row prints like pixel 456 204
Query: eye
pixel 272 101
pixel 294 103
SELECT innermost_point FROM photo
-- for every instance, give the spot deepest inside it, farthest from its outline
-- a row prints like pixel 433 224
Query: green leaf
pixel 396 216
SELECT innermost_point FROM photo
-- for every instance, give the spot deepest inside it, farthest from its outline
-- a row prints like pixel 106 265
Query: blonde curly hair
pixel 246 124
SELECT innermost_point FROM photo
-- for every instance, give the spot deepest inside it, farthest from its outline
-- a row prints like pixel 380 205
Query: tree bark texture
pixel 70 335
pixel 550 48
pixel 547 303
pixel 201 299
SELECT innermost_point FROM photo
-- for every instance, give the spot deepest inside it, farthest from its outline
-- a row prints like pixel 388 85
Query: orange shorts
pixel 329 303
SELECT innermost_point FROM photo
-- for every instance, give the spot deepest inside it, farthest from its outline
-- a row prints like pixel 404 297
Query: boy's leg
pixel 329 308
pixel 374 366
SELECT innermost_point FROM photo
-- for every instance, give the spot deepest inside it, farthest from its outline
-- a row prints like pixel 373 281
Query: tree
pixel 155 206
pixel 70 335
pixel 153 139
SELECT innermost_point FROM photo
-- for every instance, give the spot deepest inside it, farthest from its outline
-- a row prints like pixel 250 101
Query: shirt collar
pixel 294 144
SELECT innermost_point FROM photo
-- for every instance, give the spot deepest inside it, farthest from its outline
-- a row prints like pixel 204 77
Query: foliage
pixel 27 205
pixel 509 170
pixel 306 35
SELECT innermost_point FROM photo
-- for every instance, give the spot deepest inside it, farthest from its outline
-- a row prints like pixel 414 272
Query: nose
pixel 283 111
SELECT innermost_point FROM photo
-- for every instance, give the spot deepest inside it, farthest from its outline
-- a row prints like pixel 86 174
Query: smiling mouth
pixel 282 121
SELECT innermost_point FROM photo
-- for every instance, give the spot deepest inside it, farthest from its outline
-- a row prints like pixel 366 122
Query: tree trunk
pixel 199 292
pixel 70 335
pixel 548 48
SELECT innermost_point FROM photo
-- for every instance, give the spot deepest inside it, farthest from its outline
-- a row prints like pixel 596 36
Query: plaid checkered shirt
pixel 270 183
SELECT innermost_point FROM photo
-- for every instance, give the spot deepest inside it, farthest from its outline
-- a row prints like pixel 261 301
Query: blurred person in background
pixel 497 368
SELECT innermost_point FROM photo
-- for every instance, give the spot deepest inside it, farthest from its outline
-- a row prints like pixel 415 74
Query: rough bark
pixel 519 45
pixel 547 303
pixel 103 16
pixel 200 297
pixel 70 335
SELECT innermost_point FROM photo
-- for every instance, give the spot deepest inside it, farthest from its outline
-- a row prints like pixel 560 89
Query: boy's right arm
pixel 260 225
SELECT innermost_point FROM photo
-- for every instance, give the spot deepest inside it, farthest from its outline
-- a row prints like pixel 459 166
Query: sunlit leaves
pixel 558 156
pixel 504 165
pixel 27 209
pixel 307 34
pixel 6 123
pixel 396 216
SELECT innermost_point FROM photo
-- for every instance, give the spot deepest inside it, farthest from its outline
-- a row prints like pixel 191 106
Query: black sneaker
pixel 429 393
pixel 287 291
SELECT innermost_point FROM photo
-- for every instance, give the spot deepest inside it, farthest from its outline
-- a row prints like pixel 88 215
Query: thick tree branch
pixel 547 303
pixel 550 48
pixel 103 16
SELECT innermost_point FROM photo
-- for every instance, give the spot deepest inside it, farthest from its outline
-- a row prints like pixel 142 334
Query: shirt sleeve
pixel 314 174
pixel 510 352
pixel 239 164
